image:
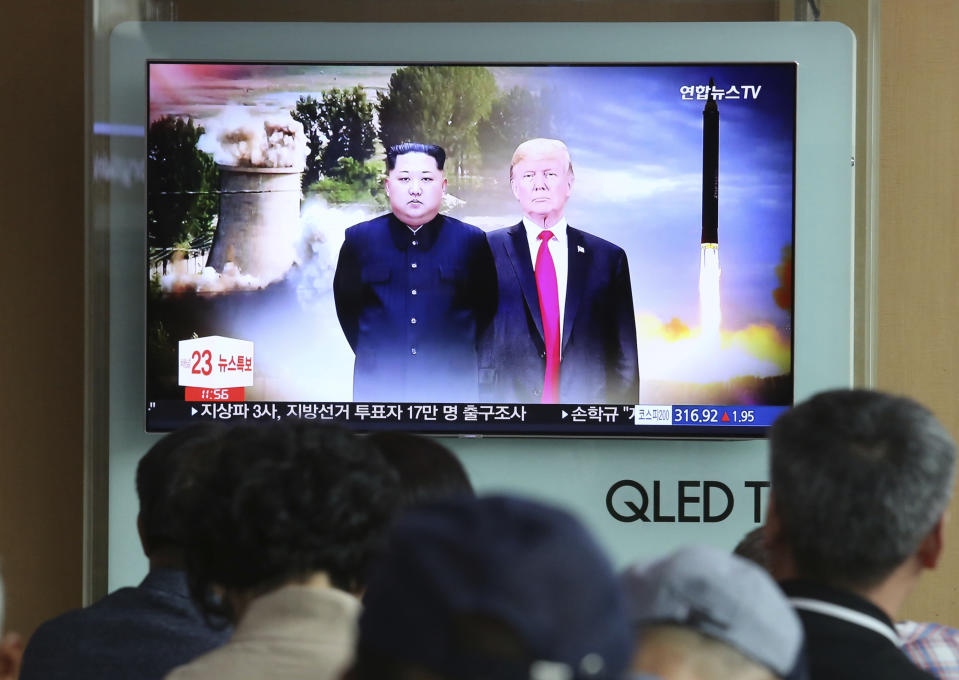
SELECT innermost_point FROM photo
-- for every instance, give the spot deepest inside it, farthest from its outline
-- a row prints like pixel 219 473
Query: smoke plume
pixel 240 138
pixel 321 235
pixel 181 280
pixel 783 295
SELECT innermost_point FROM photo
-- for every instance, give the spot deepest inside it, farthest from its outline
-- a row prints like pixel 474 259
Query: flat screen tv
pixel 282 275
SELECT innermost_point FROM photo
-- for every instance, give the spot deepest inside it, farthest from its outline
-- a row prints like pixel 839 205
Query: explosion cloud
pixel 672 352
pixel 241 138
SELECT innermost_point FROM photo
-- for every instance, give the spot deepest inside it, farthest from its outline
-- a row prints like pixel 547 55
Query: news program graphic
pixel 254 172
pixel 215 368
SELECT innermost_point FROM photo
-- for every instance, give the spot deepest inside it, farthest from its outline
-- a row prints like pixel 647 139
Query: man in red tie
pixel 564 330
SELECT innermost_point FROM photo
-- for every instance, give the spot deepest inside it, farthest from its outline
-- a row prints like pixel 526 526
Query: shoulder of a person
pixel 370 225
pixel 76 620
pixel 502 233
pixel 593 241
pixel 205 666
pixel 463 226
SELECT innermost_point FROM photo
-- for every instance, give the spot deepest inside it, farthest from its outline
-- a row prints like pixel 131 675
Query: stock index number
pixel 703 414
pixel 684 415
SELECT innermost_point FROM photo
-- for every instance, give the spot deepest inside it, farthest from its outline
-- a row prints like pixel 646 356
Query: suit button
pixel 536 391
pixel 413 321
pixel 413 351
pixel 413 292
pixel 413 266
pixel 416 243
pixel 542 355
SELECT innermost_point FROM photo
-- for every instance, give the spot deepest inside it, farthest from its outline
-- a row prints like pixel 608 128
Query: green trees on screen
pixel 182 182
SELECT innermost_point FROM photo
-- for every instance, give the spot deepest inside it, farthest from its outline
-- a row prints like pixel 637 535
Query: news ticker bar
pixel 228 407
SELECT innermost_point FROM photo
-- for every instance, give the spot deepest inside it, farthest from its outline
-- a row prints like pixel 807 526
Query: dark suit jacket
pixel 598 347
pixel 841 650
pixel 413 307
pixel 137 633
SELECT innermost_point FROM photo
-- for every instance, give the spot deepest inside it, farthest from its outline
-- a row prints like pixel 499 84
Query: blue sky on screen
pixel 637 149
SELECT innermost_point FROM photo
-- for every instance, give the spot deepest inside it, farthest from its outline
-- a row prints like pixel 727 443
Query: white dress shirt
pixel 558 250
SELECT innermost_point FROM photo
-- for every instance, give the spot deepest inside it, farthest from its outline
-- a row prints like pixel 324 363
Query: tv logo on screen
pixel 702 92
pixel 215 362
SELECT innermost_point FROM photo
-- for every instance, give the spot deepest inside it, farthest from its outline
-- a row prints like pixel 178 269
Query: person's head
pixel 541 177
pixel 11 646
pixel 157 482
pixel 285 503
pixel 705 614
pixel 415 181
pixel 427 470
pixel 860 483
pixel 752 547
pixel 495 587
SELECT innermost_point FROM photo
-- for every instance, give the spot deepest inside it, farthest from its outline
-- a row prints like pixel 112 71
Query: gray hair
pixel 859 478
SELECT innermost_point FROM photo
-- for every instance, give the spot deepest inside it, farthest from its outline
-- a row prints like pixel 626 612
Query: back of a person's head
pixel 277 504
pixel 701 613
pixel 752 547
pixel 428 471
pixel 859 479
pixel 157 483
pixel 494 587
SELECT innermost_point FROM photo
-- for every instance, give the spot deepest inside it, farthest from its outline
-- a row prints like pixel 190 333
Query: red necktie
pixel 549 309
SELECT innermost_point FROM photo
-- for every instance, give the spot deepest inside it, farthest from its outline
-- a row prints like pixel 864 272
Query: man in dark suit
pixel 564 330
pixel 414 290
pixel 139 633
pixel 860 484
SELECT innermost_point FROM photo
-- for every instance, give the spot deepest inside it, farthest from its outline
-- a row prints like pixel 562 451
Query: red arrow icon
pixel 725 417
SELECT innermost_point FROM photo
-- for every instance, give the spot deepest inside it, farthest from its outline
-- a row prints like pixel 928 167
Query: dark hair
pixel 281 502
pixel 859 478
pixel 428 471
pixel 752 547
pixel 436 152
pixel 157 480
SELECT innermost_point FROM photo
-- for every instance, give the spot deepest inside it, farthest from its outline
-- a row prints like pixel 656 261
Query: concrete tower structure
pixel 259 212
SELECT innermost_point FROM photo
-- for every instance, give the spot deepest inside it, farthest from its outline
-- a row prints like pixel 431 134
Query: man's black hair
pixel 432 150
pixel 281 502
pixel 428 471
pixel 157 479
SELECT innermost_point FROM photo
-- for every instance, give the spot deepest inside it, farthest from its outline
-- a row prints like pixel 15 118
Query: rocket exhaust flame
pixel 672 352
pixel 710 311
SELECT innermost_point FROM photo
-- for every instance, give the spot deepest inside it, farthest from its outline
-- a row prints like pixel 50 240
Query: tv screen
pixel 588 249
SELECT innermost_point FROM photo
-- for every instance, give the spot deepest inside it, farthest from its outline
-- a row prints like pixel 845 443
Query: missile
pixel 710 170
